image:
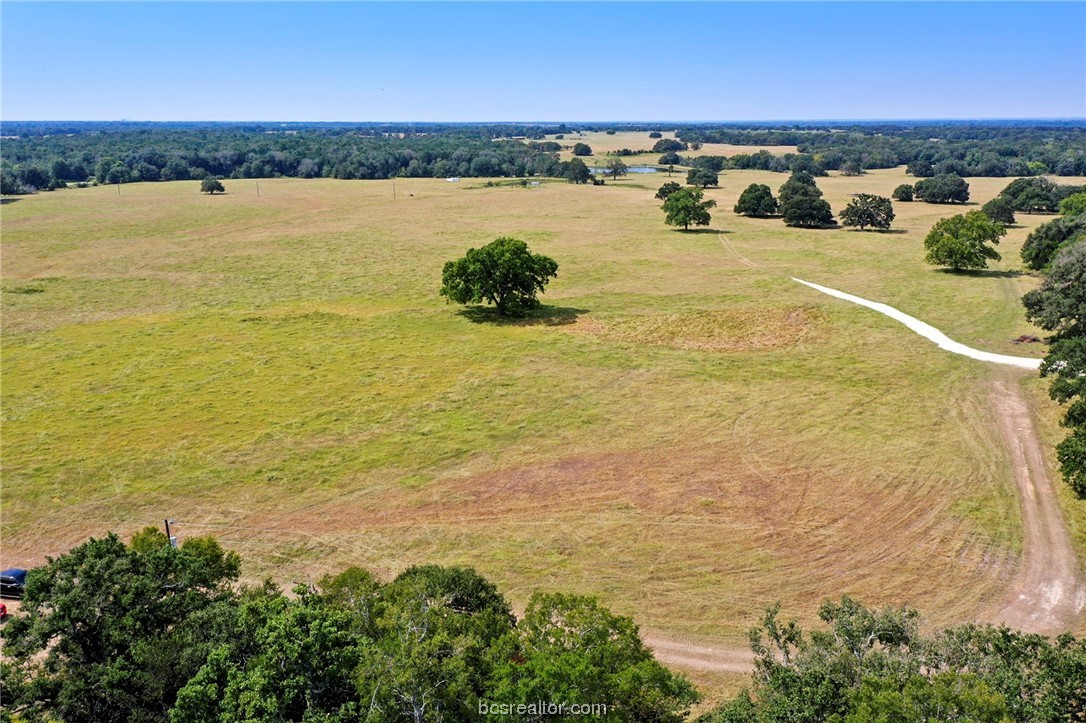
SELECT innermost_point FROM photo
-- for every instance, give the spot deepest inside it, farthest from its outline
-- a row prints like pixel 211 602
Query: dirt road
pixel 1046 595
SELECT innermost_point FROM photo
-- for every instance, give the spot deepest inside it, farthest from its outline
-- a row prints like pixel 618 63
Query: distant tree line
pixel 44 155
pixel 148 632
pixel 998 150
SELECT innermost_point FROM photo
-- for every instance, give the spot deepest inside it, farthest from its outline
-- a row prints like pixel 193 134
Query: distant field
pixel 602 144
pixel 685 437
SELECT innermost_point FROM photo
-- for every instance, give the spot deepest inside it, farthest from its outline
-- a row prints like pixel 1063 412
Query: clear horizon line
pixel 567 121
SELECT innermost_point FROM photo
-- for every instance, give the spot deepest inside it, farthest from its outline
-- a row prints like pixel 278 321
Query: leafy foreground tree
pixel 109 633
pixel 757 201
pixel 868 210
pixel 685 207
pixel 667 189
pixel 964 241
pixel 211 185
pixel 1059 305
pixel 504 273
pixel 874 666
pixel 112 633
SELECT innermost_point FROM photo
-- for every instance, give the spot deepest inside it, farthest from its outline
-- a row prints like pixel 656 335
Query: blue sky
pixel 337 61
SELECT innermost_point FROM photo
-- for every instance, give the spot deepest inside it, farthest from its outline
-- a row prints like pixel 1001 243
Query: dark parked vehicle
pixel 12 582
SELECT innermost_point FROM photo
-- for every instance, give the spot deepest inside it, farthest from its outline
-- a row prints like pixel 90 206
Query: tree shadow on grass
pixel 700 231
pixel 982 273
pixel 541 316
pixel 880 230
pixel 6 201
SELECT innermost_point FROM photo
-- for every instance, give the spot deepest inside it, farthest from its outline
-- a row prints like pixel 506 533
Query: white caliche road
pixel 928 331
pixel 1046 595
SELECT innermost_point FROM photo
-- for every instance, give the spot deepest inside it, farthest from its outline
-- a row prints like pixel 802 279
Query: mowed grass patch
pixel 757 328
pixel 288 378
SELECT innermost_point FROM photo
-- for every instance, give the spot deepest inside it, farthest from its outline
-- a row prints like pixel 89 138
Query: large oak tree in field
pixel 504 273
pixel 686 208
pixel 964 241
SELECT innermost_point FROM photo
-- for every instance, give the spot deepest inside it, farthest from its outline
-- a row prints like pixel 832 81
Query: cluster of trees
pixel 1058 305
pixel 876 666
pixel 799 202
pixel 944 188
pixel 148 632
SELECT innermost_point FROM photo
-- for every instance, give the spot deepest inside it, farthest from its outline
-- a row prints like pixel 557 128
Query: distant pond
pixel 630 169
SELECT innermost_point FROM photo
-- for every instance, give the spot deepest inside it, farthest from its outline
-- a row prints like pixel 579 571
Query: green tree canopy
pixel 686 208
pixel 572 649
pixel 577 172
pixel 867 210
pixel 1073 205
pixel 756 200
pixel 876 666
pixel 904 192
pixel 667 144
pixel 807 212
pixel 108 628
pixel 504 273
pixel 801 184
pixel 945 188
pixel 582 149
pixel 964 241
pixel 1043 242
pixel 999 209
pixel 671 158
pixel 701 177
pixel 211 185
pixel 616 168
pixel 667 189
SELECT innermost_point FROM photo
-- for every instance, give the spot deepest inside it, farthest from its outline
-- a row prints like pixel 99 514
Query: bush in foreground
pixel 875 666
pixel 109 632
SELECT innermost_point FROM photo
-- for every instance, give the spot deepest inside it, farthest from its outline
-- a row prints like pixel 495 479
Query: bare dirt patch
pixel 745 329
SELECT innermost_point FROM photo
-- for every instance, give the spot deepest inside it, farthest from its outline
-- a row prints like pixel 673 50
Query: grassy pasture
pixel 686 437
pixel 602 144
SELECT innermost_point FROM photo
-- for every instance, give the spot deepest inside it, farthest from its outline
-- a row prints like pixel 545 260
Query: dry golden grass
pixel 746 329
pixel 279 371
pixel 602 144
